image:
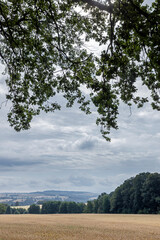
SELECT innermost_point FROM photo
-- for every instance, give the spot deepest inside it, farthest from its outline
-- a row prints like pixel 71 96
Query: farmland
pixel 80 227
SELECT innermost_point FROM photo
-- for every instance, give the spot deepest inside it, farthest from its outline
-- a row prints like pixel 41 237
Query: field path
pixel 80 227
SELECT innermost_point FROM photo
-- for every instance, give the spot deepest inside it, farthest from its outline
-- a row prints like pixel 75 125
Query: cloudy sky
pixel 65 150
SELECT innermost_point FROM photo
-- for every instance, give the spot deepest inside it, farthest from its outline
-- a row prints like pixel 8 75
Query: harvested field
pixel 80 227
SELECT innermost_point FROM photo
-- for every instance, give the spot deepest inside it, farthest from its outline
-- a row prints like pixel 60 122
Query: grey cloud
pixel 140 165
pixel 57 180
pixel 12 184
pixel 11 163
pixel 81 181
pixel 86 144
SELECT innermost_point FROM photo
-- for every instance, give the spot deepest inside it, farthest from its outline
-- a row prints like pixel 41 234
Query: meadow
pixel 80 227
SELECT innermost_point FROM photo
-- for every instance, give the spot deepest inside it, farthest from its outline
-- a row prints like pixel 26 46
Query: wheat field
pixel 80 227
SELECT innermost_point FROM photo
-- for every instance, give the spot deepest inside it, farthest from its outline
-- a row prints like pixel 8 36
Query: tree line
pixel 49 207
pixel 139 194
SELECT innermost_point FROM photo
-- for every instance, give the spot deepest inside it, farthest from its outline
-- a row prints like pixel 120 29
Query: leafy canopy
pixel 43 46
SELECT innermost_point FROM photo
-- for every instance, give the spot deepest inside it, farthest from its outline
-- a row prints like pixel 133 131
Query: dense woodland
pixel 139 194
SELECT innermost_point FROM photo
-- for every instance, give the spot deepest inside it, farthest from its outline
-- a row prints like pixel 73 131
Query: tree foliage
pixel 3 208
pixel 99 205
pixel 34 209
pixel 52 207
pixel 8 210
pixel 43 46
pixel 139 194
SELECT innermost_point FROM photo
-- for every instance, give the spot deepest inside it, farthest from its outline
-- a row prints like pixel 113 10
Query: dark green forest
pixel 137 195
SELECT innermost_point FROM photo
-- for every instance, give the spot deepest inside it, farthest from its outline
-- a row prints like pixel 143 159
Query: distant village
pixel 23 199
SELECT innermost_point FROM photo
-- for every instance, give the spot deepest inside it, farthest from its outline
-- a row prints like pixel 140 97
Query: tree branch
pixel 140 11
pixel 107 8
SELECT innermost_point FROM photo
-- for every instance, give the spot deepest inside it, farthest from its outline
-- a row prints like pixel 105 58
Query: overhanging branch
pixel 109 8
pixel 103 7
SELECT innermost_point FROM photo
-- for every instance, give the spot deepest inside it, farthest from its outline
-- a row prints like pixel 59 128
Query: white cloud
pixel 148 114
pixel 2 90
pixel 67 147
pixel 118 142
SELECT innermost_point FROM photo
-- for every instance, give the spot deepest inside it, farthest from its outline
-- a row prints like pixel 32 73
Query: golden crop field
pixel 80 227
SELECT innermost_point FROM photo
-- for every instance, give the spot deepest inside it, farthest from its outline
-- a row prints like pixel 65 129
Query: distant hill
pixel 23 199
